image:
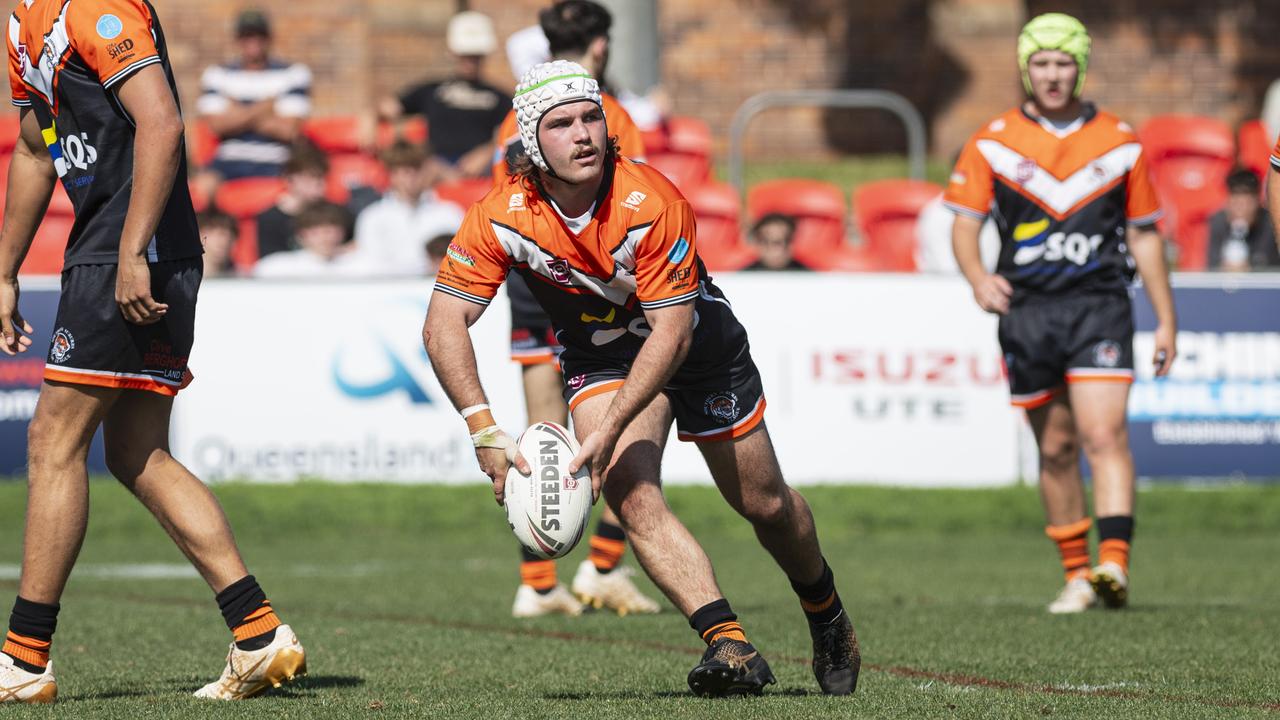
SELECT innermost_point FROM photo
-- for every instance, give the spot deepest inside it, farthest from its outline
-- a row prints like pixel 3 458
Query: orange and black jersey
pixel 636 251
pixel 66 60
pixel 508 146
pixel 1275 157
pixel 1062 199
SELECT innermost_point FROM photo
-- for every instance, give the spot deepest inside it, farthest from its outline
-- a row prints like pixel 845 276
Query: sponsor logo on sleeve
pixel 678 251
pixel 122 51
pixel 109 27
pixel 457 254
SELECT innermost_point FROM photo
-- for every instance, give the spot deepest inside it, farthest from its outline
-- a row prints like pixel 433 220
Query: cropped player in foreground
pixel 576 30
pixel 609 249
pixel 99 111
pixel 1068 184
pixel 1273 189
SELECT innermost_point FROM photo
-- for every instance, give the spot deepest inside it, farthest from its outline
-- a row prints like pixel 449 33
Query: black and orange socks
pixel 31 626
pixel 1115 533
pixel 248 613
pixel 820 601
pixel 537 573
pixel 1073 546
pixel 716 620
pixel 607 547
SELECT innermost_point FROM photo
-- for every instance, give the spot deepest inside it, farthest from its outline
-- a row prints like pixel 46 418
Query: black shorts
pixel 709 404
pixel 534 345
pixel 1050 342
pixel 94 345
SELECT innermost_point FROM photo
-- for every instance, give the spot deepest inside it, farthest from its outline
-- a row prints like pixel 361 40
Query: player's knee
pixel 1059 453
pixel 771 510
pixel 1105 440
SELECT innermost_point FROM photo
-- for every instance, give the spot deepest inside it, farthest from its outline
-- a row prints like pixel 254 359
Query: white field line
pixel 183 571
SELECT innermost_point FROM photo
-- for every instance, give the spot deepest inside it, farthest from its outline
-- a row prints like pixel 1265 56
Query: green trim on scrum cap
pixel 1054 31
pixel 548 81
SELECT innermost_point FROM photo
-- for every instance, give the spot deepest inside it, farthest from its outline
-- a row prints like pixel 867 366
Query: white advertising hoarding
pixel 869 378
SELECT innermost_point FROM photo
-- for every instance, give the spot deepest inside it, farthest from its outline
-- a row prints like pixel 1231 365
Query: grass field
pixel 402 598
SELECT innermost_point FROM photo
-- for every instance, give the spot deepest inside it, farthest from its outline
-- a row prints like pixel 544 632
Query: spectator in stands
pixel 323 230
pixel 392 233
pixel 304 177
pixel 218 232
pixel 1241 235
pixel 771 236
pixel 462 111
pixel 436 248
pixel 933 240
pixel 255 104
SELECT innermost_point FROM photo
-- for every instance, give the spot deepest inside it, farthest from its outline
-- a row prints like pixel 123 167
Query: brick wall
pixel 953 58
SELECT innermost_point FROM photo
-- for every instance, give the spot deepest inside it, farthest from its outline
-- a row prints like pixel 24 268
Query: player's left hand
pixel 133 293
pixel 595 455
pixel 1166 349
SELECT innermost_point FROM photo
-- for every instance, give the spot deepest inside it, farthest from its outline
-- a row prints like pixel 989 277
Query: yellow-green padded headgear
pixel 1054 31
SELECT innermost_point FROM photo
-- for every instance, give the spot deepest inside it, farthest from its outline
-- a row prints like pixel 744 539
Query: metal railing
pixel 866 99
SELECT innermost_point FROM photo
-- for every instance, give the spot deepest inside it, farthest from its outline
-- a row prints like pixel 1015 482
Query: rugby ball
pixel 548 509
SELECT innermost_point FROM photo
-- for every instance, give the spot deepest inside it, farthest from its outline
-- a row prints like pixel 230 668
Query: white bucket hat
pixel 545 86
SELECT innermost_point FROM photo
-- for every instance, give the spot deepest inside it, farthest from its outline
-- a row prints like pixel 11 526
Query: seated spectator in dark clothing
pixel 324 249
pixel 771 237
pixel 462 112
pixel 219 232
pixel 304 176
pixel 1241 235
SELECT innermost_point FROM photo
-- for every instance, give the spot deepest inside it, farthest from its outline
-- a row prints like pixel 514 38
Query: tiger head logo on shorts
pixel 62 345
pixel 1106 354
pixel 722 406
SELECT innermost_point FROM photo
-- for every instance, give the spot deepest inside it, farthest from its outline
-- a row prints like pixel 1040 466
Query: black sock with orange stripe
pixel 31 626
pixel 607 547
pixel 716 620
pixel 820 601
pixel 536 572
pixel 248 613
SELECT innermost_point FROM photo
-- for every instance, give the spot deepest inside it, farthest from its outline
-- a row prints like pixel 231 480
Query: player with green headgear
pixel 1076 211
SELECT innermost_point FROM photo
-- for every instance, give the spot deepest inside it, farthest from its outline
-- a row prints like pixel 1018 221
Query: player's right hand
pixel 15 332
pixel 993 293
pixel 496 453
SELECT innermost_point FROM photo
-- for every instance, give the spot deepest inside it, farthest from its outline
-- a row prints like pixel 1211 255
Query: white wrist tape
pixel 493 437
pixel 472 410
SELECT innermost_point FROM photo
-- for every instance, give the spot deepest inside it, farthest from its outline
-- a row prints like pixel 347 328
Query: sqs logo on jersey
pixel 678 251
pixel 109 27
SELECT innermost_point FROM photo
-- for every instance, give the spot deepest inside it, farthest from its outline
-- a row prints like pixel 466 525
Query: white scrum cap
pixel 543 87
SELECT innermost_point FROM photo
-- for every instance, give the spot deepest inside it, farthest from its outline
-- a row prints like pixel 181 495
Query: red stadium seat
pixel 353 170
pixel 246 197
pixel 202 143
pixel 59 203
pixel 464 192
pixel 1190 158
pixel 245 252
pixel 818 208
pixel 339 134
pixel 718 210
pixel 9 129
pixel 684 171
pixel 885 212
pixel 846 259
pixel 1256 143
pixel 45 255
pixel 688 135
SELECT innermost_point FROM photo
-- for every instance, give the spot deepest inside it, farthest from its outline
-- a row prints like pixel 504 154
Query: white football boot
pixel 530 603
pixel 1111 583
pixel 250 672
pixel 19 686
pixel 613 590
pixel 1075 597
